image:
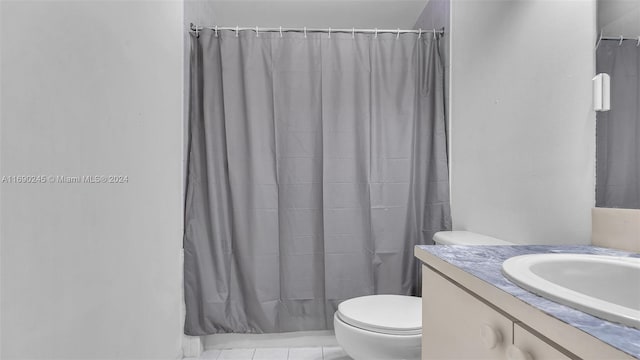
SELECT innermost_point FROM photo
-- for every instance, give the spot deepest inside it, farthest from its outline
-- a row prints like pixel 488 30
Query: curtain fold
pixel 315 165
pixel 618 130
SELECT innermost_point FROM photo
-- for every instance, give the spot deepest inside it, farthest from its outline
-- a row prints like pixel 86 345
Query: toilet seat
pixel 386 314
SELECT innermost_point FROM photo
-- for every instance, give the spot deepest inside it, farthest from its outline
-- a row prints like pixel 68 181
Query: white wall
pixel 382 14
pixel 91 271
pixel 522 125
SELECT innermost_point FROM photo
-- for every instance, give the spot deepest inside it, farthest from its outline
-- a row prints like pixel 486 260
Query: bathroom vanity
pixel 470 310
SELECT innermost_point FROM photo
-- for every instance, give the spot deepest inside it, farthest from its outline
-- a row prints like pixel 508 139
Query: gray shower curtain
pixel 315 165
pixel 618 130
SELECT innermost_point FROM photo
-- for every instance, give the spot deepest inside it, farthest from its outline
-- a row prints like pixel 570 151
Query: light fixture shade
pixel 602 92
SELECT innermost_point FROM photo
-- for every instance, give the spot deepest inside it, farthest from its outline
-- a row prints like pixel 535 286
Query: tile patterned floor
pixel 301 353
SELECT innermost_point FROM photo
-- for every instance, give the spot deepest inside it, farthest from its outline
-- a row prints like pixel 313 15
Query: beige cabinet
pixel 456 325
pixel 529 346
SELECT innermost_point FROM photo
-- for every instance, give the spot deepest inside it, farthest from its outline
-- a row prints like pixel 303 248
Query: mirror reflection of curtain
pixel 315 166
pixel 618 130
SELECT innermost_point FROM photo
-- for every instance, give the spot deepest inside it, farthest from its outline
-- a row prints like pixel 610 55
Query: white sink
pixel 604 286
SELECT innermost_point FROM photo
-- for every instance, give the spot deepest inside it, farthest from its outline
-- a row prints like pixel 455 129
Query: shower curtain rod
pixel 620 38
pixel 194 27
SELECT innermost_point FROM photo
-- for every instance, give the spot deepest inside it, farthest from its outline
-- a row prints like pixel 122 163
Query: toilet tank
pixel 466 238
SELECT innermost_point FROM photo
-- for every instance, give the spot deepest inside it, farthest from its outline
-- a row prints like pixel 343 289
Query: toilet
pixel 377 327
pixel 389 327
pixel 466 238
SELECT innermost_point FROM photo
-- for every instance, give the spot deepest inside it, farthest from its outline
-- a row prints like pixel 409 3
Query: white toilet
pixel 389 327
pixel 377 327
pixel 466 238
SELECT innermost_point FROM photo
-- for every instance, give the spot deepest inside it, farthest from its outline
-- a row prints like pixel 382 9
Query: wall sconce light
pixel 602 92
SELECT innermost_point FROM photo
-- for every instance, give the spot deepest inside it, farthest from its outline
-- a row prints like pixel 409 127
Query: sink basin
pixel 604 286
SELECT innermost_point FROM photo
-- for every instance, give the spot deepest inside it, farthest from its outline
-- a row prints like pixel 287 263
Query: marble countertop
pixel 485 263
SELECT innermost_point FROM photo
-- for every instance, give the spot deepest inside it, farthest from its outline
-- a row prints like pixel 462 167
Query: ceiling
pixel 382 14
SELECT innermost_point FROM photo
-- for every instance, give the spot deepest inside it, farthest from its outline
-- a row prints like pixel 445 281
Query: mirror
pixel 618 130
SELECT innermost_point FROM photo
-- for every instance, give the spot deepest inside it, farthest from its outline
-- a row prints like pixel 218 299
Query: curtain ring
pixel 237 28
pixel 280 31
pixel 638 44
pixel 353 33
pixel 621 39
pixel 376 34
pixel 329 32
pixel 216 30
pixel 398 34
pixel 305 32
pixel 435 37
pixel 419 33
pixel 257 32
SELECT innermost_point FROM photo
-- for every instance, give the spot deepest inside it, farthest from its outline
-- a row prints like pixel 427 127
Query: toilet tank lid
pixel 466 238
pixel 388 314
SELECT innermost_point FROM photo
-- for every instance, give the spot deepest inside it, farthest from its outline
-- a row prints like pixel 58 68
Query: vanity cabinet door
pixel 528 346
pixel 456 325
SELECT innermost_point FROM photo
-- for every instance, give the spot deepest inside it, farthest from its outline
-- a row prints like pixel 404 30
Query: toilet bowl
pixel 380 327
pixel 389 327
